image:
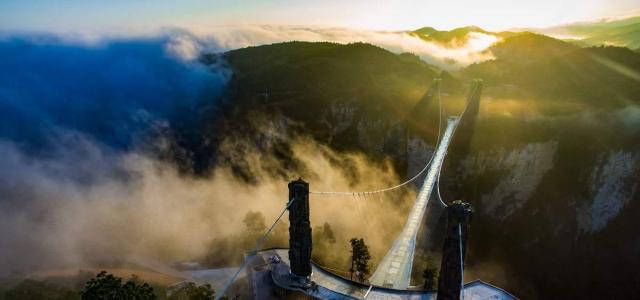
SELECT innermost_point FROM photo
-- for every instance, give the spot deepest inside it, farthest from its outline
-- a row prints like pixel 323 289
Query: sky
pixel 147 15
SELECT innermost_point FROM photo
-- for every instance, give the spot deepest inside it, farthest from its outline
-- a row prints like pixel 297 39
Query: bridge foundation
pixel 454 250
pixel 299 229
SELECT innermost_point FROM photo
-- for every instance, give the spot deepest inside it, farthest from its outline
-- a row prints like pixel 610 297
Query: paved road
pixel 394 271
pixel 331 286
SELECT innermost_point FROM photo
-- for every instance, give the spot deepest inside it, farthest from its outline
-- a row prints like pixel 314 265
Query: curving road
pixel 331 286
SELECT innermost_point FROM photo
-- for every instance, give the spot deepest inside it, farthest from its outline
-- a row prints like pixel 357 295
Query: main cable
pixel 473 92
pixel 412 178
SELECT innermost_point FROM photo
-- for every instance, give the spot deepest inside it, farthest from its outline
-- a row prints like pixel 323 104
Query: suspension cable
pixel 439 171
pixel 412 178
pixel 258 246
pixel 262 239
pixel 461 263
pixel 473 92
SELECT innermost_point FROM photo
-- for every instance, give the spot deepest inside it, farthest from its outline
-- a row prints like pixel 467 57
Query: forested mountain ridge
pixel 544 100
pixel 557 69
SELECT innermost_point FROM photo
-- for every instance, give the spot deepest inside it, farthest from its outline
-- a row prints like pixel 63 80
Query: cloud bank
pixel 137 209
pixel 452 55
pixel 78 187
pixel 73 118
pixel 108 90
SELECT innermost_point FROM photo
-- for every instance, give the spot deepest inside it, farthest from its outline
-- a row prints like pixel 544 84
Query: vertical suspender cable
pixel 407 181
pixel 461 263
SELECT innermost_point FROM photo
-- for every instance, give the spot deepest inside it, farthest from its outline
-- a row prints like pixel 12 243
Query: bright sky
pixel 96 15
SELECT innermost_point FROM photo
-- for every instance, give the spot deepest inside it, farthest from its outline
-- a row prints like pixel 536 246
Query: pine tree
pixel 359 259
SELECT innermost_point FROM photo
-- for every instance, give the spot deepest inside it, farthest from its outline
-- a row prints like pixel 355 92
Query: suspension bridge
pixel 392 277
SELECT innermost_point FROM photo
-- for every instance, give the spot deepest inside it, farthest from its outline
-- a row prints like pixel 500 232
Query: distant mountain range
pixel 457 34
pixel 553 69
pixel 589 61
pixel 620 32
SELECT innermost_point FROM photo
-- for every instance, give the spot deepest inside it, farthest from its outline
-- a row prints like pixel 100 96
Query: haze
pixel 144 15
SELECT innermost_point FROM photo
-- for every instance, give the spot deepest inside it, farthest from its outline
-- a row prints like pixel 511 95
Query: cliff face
pixel 539 210
pixel 338 118
pixel 612 186
pixel 521 171
pixel 608 183
pixel 540 205
pixel 551 197
pixel 552 180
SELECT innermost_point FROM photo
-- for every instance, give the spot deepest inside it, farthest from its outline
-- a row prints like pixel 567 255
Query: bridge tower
pixel 454 250
pixel 299 229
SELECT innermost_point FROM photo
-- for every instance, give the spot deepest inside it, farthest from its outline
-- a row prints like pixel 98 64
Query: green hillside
pixel 302 77
pixel 325 89
pixel 554 69
pixel 623 32
pixel 431 34
pixel 459 34
pixel 529 47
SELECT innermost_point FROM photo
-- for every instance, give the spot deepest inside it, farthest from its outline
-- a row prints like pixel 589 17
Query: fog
pixel 80 185
pixel 451 55
pixel 109 91
pixel 188 43
pixel 137 206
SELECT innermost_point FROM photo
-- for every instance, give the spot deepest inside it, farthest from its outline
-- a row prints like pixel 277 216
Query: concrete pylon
pixel 300 243
pixel 450 280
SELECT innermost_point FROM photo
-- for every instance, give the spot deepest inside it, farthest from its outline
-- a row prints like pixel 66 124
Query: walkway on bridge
pixel 394 271
pixel 391 280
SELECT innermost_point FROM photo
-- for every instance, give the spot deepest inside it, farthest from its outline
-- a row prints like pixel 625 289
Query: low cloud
pixel 189 42
pixel 79 186
pixel 136 206
pixel 452 55
pixel 109 90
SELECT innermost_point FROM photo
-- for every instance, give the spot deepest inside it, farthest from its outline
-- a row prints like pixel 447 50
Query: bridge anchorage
pixel 294 274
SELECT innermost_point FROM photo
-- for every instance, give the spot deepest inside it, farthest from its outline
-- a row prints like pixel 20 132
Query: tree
pixel 107 287
pixel 359 259
pixel 430 276
pixel 30 289
pixel 328 234
pixel 255 223
pixel 322 235
pixel 191 291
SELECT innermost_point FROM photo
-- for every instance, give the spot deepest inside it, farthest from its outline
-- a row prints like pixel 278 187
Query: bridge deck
pixel 394 271
pixel 331 286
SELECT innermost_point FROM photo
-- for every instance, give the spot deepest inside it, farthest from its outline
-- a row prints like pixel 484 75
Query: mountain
pixel 620 32
pixel 528 47
pixel 550 68
pixel 301 79
pixel 327 87
pixel 552 163
pixel 461 33
pixel 623 32
pixel 425 31
pixel 306 74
